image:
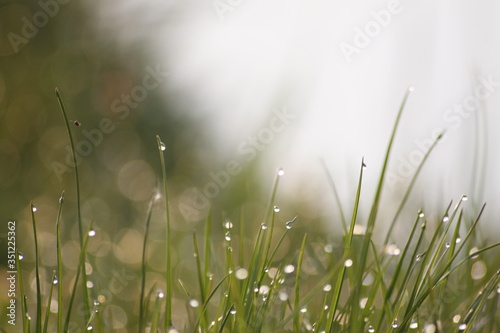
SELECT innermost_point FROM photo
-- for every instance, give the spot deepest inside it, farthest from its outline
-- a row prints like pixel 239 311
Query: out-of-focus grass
pixel 432 279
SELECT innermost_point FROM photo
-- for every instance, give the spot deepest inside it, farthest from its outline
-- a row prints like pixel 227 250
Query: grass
pixel 433 283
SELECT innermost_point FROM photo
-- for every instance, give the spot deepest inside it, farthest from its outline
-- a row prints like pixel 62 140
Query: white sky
pixel 235 65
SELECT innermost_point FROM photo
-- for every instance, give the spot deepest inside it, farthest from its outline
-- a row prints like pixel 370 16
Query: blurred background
pixel 237 89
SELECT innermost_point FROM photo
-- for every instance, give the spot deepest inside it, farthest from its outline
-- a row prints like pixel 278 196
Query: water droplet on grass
pixel 430 328
pixel 160 293
pixel 194 303
pixel 414 324
pixel 20 255
pixel 395 323
pixel 91 233
pixel 371 329
pixel 281 172
pixel 447 245
pixel 446 218
pixel 33 208
pixel 233 311
pixel 227 224
pixel 276 209
pixel 464 198
pixel 55 280
pixel 327 287
pixel 348 263
pixel 421 213
pixel 241 273
pixel 289 269
pixel 263 226
pixel 462 327
pixel 456 318
pixel 227 236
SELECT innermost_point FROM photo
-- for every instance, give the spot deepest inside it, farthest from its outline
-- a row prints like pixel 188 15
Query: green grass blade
pixel 356 321
pixel 347 252
pixel 78 202
pixel 79 272
pixel 143 266
pixel 49 301
pixel 156 311
pixel 168 250
pixel 59 266
pixel 296 322
pixel 38 322
pixel 24 307
pixel 207 254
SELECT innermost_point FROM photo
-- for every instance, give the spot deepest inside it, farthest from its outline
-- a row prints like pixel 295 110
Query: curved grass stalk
pixel 78 203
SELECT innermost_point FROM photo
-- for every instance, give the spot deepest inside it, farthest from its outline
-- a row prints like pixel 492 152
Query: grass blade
pixel 59 266
pixel 356 320
pixel 78 203
pixel 38 322
pixel 143 266
pixel 168 250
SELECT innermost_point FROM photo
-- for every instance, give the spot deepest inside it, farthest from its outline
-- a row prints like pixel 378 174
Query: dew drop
pixel 160 293
pixel 281 172
pixel 303 309
pixel 348 263
pixel 421 213
pixel 411 88
pixel 289 225
pixel 458 240
pixel 90 284
pixel 418 258
pixel 55 280
pixel 462 327
pixel 227 224
pixel 359 229
pixel 371 329
pixel 456 318
pixel 392 249
pixel 33 208
pixel 61 199
pixel 328 248
pixel 447 245
pixel 446 218
pixel 478 270
pixel 283 296
pixel 233 311
pixel 413 324
pixel 472 251
pixel 464 198
pixel 162 146
pixel 227 236
pixel 96 303
pixel 395 323
pixel 362 302
pixel 276 209
pixel 327 287
pixel 194 303
pixel 20 255
pixel 263 290
pixel 172 330
pixel 263 226
pixel 91 233
pixel 430 328
pixel 289 269
pixel 326 307
pixel 241 273
pixel 89 328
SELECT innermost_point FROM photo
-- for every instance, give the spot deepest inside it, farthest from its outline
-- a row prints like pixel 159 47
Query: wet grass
pixel 433 281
